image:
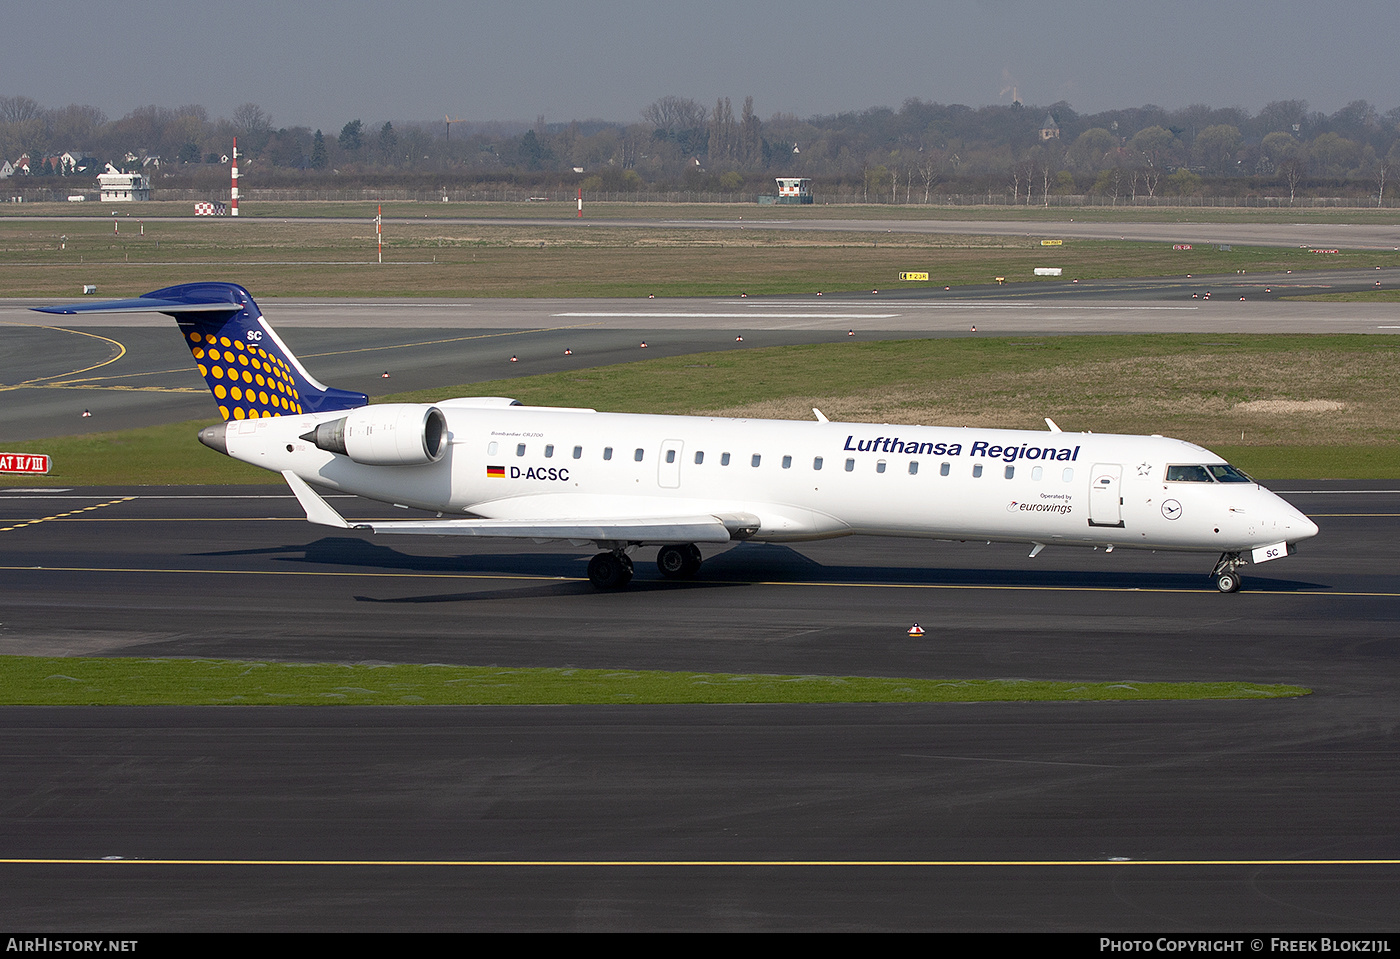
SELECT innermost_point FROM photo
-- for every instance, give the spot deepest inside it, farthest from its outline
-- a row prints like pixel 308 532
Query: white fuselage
pixel 803 480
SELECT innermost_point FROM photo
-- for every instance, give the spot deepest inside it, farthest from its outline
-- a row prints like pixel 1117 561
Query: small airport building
pixel 118 187
pixel 791 189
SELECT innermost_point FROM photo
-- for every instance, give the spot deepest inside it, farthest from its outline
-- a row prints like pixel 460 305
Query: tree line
pixel 909 155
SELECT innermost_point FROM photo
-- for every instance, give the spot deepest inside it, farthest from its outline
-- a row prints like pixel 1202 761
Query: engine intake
pixel 391 434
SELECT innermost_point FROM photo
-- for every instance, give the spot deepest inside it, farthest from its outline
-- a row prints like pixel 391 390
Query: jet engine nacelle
pixel 390 434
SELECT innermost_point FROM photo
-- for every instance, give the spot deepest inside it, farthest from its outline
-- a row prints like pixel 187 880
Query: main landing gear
pixel 1226 572
pixel 679 562
pixel 613 569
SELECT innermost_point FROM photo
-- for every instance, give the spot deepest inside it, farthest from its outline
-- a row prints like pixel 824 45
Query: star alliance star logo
pixel 1144 469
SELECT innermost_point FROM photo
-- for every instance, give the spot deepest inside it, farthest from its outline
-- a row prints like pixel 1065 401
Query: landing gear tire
pixel 1226 572
pixel 1228 582
pixel 679 562
pixel 610 571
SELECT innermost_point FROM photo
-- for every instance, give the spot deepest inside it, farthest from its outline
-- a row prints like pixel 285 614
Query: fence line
pixel 250 195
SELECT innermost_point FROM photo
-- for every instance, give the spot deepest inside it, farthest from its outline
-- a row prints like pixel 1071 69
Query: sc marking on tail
pixel 625 481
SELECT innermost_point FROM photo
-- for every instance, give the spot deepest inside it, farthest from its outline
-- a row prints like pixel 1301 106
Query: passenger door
pixel 1106 495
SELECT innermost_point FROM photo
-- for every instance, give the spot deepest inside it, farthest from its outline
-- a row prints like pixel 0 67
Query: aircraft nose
pixel 1294 523
pixel 1309 528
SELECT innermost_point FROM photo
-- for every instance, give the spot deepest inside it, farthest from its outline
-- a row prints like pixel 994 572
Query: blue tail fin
pixel 249 369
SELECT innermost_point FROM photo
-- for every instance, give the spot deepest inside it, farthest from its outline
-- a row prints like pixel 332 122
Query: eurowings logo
pixel 1061 508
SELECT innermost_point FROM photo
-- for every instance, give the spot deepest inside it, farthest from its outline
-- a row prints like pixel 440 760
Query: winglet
pixel 318 511
pixel 821 417
pixel 1054 427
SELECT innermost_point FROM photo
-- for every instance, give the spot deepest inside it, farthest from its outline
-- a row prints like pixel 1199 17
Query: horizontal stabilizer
pixel 143 304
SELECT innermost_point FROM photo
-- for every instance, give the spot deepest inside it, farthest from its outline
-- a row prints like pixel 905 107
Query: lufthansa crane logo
pixel 1171 509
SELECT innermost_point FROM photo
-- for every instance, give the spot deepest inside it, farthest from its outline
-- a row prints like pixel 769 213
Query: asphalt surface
pixel 1276 816
pixel 1370 236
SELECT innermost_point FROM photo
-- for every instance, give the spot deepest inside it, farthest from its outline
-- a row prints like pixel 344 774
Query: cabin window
pixel 578 452
pixel 944 469
pixel 816 462
pixel 699 457
pixel 670 455
pixel 850 465
pixel 913 467
pixel 1037 472
pixel 549 451
pixel 607 452
pixel 1010 472
pixel 519 449
pixel 880 466
pixel 491 448
pixel 787 462
pixel 977 470
pixel 637 454
pixel 724 459
pixel 1068 476
pixel 757 458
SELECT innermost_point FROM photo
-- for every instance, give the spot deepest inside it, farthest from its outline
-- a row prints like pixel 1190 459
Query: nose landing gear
pixel 1226 572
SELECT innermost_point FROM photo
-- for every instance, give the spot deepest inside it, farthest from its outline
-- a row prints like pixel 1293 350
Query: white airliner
pixel 623 481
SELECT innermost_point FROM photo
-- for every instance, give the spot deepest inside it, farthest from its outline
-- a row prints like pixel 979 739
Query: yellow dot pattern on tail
pixel 248 382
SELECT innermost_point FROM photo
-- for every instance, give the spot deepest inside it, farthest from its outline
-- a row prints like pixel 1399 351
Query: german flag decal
pixel 498 472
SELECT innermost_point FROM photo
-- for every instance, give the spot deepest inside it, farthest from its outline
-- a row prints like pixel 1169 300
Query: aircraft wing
pixel 670 529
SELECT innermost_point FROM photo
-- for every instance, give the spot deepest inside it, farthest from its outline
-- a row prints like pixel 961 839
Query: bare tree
pixel 929 171
pixel 19 109
pixel 675 114
pixel 249 118
pixel 750 142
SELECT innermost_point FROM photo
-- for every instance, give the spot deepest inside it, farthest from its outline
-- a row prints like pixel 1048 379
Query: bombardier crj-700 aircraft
pixel 624 481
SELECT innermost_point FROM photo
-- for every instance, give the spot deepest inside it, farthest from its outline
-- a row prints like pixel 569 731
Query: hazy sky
pixel 320 64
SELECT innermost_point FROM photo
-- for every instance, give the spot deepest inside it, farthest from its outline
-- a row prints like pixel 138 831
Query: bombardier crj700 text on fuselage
pixel 623 481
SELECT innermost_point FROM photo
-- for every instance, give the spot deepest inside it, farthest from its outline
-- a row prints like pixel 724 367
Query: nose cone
pixel 1294 524
pixel 1309 528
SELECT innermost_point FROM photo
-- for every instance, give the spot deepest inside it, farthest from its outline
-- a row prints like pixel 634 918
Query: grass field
pixel 26 680
pixel 54 258
pixel 1278 406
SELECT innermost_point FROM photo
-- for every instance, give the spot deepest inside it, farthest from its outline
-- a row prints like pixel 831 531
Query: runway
pixel 1356 236
pixel 133 371
pixel 1169 817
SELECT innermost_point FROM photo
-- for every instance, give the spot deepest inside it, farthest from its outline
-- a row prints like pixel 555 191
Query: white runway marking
pixel 742 316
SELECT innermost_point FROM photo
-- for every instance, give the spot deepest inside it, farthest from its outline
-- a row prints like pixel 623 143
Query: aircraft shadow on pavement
pixel 743 564
pixel 775 563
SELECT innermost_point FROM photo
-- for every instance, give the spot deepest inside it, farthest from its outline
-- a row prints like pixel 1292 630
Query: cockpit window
pixel 1225 473
pixel 1188 474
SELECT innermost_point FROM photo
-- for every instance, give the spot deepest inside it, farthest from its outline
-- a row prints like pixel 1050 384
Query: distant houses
pixel 114 186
